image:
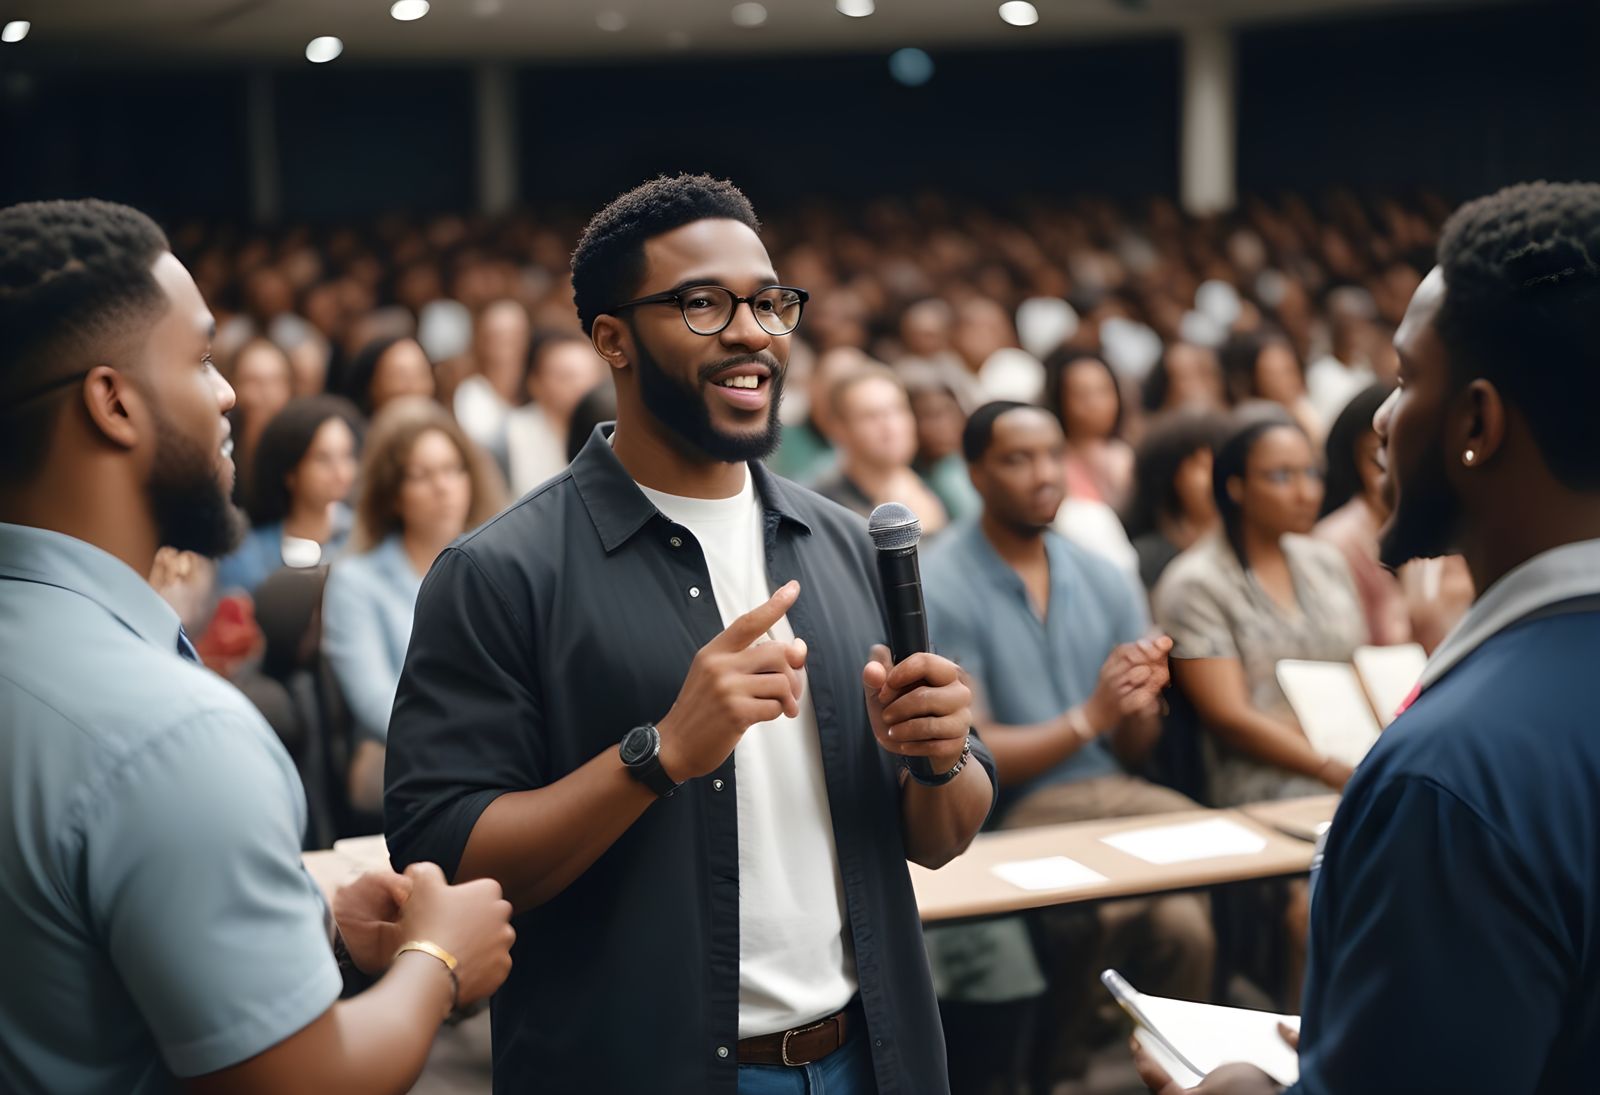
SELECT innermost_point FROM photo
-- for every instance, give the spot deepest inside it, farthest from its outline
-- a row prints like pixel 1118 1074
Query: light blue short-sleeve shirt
pixel 158 921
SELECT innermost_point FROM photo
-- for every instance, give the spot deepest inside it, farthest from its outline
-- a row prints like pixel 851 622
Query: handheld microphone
pixel 895 532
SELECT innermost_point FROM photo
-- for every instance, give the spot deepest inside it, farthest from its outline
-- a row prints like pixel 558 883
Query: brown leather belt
pixel 800 1046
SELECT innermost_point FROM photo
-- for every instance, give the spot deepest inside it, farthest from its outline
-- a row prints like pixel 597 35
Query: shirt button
pixel 676 541
pixel 716 785
pixel 694 591
pixel 722 1051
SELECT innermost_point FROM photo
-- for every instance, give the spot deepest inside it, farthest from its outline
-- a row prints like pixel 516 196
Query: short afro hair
pixel 978 434
pixel 73 275
pixel 1522 310
pixel 608 265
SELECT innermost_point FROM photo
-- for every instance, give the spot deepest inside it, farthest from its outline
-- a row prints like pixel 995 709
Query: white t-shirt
pixel 795 964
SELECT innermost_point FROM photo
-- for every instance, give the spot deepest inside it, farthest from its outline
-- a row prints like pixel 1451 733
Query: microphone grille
pixel 894 527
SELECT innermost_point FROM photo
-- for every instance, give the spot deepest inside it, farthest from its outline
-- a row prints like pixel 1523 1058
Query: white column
pixel 496 108
pixel 1207 166
pixel 261 134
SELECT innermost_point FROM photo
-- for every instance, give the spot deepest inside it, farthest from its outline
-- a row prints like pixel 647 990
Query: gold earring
pixel 1469 457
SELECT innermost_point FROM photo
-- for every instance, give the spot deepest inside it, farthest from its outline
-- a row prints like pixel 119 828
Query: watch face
pixel 637 745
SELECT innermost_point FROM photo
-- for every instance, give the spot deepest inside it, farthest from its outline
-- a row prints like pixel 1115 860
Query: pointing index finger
pixel 755 623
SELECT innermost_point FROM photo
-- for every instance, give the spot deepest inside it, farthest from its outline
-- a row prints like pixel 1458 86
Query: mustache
pixel 707 372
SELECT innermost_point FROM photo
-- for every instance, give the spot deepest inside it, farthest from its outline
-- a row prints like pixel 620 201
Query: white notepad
pixel 1390 674
pixel 1055 872
pixel 1332 707
pixel 1190 840
pixel 1191 1040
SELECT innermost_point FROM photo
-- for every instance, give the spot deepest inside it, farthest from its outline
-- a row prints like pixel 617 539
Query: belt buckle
pixel 783 1048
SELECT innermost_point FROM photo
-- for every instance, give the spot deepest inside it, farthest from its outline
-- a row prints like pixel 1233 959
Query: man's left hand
pixel 366 911
pixel 1235 1079
pixel 919 708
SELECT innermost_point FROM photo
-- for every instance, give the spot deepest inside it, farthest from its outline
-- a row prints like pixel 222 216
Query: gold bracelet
pixel 422 946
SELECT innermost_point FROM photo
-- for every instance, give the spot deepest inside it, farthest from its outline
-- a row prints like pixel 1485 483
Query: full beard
pixel 683 411
pixel 191 507
pixel 1424 520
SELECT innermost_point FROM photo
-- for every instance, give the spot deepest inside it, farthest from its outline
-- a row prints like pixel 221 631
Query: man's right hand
pixel 1130 680
pixel 471 921
pixel 732 685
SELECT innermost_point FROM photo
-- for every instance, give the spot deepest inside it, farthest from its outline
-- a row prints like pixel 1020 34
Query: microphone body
pixel 896 532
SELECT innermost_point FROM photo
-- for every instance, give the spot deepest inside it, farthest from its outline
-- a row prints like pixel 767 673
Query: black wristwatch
pixel 641 752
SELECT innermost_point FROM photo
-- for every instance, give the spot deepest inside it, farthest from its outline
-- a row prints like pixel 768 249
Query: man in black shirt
pixel 694 917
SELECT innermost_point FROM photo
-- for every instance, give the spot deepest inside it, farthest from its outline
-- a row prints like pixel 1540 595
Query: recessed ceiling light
pixel 487 9
pixel 856 9
pixel 408 10
pixel 1019 13
pixel 911 67
pixel 749 15
pixel 15 31
pixel 611 21
pixel 322 50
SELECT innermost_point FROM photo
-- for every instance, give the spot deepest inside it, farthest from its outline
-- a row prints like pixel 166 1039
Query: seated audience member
pixel 1082 392
pixel 1186 376
pixel 936 405
pixel 1245 597
pixel 387 369
pixel 485 398
pixel 598 405
pixel 1172 501
pixel 562 368
pixel 305 468
pixel 1423 601
pixel 877 438
pixel 1065 680
pixel 1458 904
pixel 805 454
pixel 423 483
pixel 1265 366
pixel 263 382
pixel 162 932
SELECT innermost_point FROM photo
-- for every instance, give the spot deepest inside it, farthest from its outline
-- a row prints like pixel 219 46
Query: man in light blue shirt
pixel 1065 685
pixel 158 922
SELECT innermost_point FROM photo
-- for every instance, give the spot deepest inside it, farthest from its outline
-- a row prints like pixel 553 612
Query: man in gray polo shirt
pixel 1065 683
pixel 158 924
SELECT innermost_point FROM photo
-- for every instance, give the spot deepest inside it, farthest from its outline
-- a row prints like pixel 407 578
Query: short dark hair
pixel 1343 480
pixel 356 382
pixel 1245 428
pixel 1239 357
pixel 1170 439
pixel 72 274
pixel 284 443
pixel 1522 310
pixel 609 263
pixel 1056 364
pixel 978 434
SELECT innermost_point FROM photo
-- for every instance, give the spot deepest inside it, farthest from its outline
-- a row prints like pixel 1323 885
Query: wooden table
pixel 1304 818
pixel 968 888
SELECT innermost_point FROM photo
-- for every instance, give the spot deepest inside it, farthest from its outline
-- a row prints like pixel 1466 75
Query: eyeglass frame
pixel 672 296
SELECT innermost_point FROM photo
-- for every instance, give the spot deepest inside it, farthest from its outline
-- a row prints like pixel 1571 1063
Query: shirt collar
pixel 54 559
pixel 619 509
pixel 1560 574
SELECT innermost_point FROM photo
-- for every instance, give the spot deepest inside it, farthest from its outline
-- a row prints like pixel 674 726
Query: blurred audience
pixel 305 469
pixel 938 406
pixel 1186 376
pixel 423 483
pixel 877 438
pixel 1243 598
pixel 483 401
pixel 1173 505
pixel 384 370
pixel 562 369
pixel 263 383
pixel 1081 390
pixel 1265 366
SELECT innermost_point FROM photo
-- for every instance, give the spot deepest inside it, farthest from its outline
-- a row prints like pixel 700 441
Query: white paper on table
pixel 1055 872
pixel 1332 707
pixel 1389 674
pixel 1188 841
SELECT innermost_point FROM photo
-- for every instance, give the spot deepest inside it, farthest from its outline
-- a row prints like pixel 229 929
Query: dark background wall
pixel 1459 101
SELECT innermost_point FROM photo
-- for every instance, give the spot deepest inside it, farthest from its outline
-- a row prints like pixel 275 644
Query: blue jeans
pixel 845 1071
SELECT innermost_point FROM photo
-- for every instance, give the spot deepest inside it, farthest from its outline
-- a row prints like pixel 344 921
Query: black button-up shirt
pixel 540 640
